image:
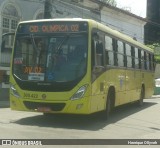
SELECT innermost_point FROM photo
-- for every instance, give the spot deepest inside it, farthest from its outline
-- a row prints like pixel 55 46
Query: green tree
pixel 110 2
pixel 156 48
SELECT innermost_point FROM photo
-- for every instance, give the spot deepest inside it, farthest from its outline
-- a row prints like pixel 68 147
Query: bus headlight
pixel 14 92
pixel 80 93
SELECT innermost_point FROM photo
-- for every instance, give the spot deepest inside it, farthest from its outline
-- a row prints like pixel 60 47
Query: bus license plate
pixel 43 109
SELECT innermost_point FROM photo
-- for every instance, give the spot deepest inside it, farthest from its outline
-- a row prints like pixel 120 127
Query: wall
pixel 124 23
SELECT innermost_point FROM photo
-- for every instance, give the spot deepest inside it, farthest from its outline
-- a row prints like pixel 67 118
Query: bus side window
pixel 153 63
pixel 139 58
pixel 97 49
pixel 142 60
pixel 147 61
pixel 92 55
pixel 129 56
pixel 150 62
pixel 99 53
pixel 109 51
pixel 136 59
pixel 120 53
pixel 115 46
pixel 133 56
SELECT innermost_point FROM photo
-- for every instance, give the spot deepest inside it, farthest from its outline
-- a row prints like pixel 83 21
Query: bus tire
pixel 109 103
pixel 108 107
pixel 140 101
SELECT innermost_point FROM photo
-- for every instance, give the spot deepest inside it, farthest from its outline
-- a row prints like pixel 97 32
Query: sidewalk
pixel 156 96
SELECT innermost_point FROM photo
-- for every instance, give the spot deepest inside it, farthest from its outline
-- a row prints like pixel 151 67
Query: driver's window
pixel 97 49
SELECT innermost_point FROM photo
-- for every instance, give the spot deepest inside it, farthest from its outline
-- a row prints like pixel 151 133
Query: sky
pixel 137 7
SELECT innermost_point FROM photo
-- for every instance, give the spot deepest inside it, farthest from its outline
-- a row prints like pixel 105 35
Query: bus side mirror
pixel 5 38
pixel 3 46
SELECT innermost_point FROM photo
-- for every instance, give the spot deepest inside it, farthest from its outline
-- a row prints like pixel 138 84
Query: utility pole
pixel 47 9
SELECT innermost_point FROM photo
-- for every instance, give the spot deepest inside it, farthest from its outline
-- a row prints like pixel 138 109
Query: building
pixel 122 20
pixel 11 12
pixel 116 18
pixel 152 28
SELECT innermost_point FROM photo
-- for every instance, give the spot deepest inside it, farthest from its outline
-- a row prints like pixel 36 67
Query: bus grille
pixel 52 106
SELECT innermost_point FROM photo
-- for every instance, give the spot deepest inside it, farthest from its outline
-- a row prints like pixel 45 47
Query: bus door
pixel 98 69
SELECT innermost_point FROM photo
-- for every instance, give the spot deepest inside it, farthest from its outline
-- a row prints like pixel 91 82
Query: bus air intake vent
pixel 52 106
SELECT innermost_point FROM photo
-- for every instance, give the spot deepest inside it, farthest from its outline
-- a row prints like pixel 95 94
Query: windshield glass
pixel 53 58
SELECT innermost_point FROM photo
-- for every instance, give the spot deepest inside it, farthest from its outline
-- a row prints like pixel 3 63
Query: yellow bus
pixel 77 66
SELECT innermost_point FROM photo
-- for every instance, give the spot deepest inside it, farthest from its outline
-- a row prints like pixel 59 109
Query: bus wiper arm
pixel 60 45
pixel 36 48
pixel 33 42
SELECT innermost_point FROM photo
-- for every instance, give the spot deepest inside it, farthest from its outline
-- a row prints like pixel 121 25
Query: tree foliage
pixel 110 2
pixel 156 48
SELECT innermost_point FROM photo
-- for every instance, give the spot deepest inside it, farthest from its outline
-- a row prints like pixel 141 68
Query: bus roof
pixel 100 26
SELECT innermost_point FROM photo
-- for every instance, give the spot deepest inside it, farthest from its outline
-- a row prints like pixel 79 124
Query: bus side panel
pixel 111 78
pixel 133 85
pixel 98 94
pixel 149 84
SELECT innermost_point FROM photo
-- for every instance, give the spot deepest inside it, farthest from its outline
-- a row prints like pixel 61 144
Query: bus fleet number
pixel 27 95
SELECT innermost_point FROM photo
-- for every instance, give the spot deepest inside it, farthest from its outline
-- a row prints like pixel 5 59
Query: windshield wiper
pixel 60 45
pixel 33 42
pixel 36 49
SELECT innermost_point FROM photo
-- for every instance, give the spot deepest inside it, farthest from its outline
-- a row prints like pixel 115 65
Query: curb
pixel 156 96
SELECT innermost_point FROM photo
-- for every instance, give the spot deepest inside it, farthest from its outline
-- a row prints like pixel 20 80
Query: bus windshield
pixel 50 58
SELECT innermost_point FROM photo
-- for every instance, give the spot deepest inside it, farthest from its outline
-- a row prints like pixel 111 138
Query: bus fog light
pixel 79 106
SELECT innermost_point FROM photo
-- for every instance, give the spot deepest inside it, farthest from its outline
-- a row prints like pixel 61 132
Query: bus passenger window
pixel 92 55
pixel 110 58
pixel 128 54
pixel 150 62
pixel 109 51
pixel 99 53
pixel 139 58
pixel 136 59
pixel 120 55
pixel 133 56
pixel 153 63
pixel 147 61
pixel 120 60
pixel 97 49
pixel 108 43
pixel 120 48
pixel 142 60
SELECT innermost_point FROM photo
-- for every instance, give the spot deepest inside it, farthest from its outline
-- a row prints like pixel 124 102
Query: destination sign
pixel 53 27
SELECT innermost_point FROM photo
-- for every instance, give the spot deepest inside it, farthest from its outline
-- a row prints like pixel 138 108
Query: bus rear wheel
pixel 108 107
pixel 109 104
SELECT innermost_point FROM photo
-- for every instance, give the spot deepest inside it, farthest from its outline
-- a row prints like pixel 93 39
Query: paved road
pixel 128 122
